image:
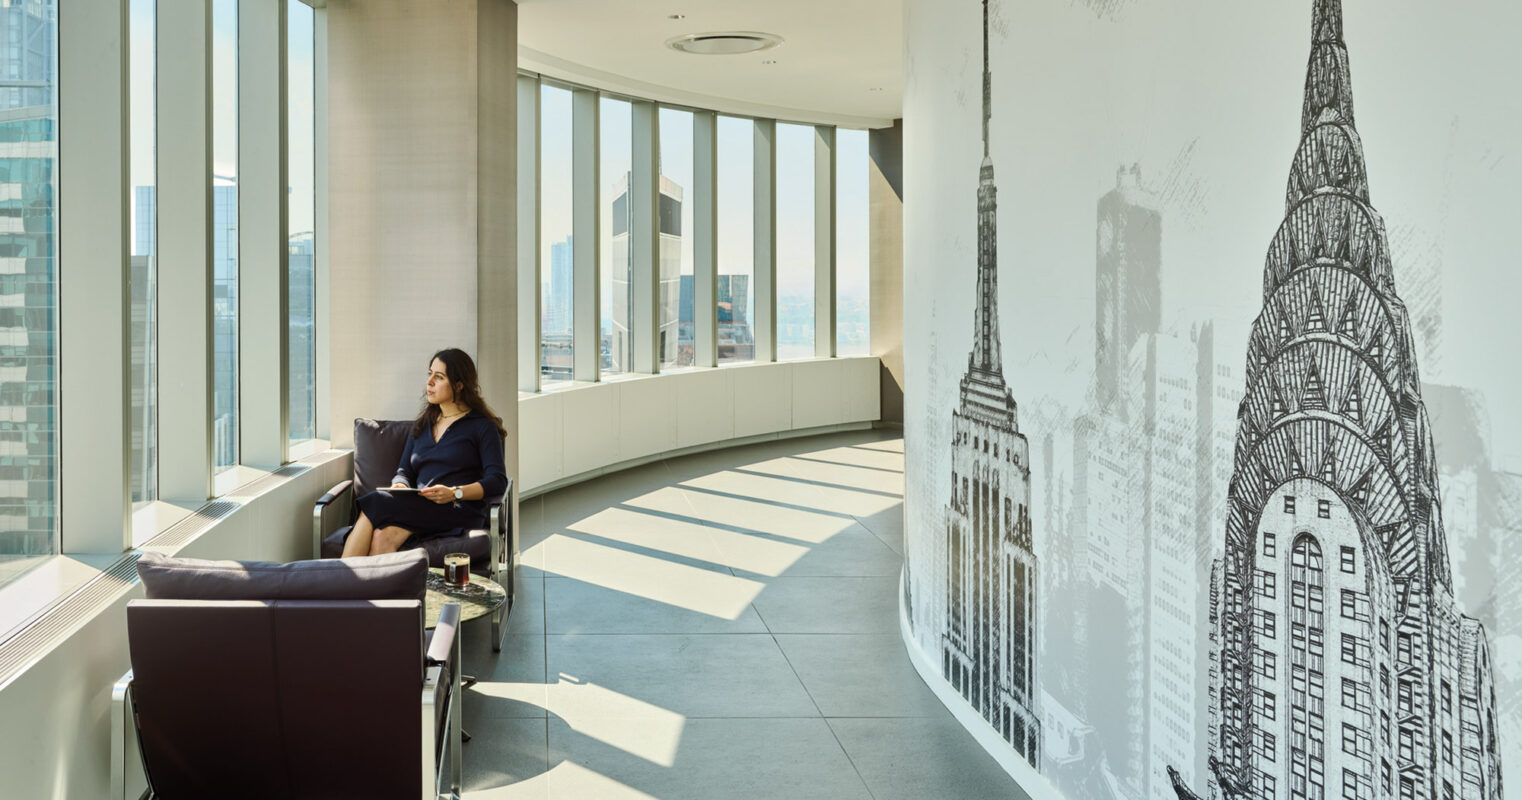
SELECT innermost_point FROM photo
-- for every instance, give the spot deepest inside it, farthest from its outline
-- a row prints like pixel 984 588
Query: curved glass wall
pixel 799 285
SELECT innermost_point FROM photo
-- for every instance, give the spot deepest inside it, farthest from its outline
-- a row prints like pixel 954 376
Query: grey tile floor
pixel 721 625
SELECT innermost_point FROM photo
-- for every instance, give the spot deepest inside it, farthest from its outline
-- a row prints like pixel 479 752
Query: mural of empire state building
pixel 988 649
pixel 1342 665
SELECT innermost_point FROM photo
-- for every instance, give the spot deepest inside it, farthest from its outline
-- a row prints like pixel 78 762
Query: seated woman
pixel 454 457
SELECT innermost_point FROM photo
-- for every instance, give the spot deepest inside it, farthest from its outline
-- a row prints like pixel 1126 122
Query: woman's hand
pixel 438 494
pixel 400 485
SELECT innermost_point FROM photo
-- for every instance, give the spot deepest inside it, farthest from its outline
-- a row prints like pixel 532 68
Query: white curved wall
pixel 582 429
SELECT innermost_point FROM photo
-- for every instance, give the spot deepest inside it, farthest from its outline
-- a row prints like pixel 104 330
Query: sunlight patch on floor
pixel 650 531
pixel 717 594
pixel 618 720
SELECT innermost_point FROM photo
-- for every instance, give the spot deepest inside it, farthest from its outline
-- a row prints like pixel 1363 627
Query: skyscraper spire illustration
pixel 986 357
pixel 1343 665
pixel 989 646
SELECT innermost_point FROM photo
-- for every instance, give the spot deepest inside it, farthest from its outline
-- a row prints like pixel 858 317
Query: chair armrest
pixel 334 493
pixel 339 490
pixel 123 736
pixel 441 648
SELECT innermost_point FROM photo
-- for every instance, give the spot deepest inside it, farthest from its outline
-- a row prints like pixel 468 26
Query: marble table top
pixel 479 597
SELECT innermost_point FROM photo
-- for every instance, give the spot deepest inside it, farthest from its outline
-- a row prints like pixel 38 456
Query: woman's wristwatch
pixel 459 494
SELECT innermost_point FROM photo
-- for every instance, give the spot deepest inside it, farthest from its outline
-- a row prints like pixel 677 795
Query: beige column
pixel 886 196
pixel 422 177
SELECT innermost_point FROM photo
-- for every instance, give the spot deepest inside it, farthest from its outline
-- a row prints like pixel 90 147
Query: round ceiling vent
pixel 724 43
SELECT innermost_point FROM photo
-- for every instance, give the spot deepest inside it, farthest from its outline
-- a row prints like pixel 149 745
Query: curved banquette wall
pixel 1189 503
pixel 577 431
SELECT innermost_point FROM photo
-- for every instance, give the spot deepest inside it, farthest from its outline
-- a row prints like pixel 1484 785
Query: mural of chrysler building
pixel 989 646
pixel 1342 666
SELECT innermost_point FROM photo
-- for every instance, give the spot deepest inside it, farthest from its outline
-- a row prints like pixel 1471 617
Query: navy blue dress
pixel 469 451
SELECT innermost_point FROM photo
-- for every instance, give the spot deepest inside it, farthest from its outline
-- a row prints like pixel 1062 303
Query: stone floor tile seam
pixel 849 759
pixel 801 682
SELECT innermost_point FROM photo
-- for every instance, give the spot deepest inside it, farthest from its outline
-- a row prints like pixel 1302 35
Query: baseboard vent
pixel 270 481
pixel 40 633
pixel 194 525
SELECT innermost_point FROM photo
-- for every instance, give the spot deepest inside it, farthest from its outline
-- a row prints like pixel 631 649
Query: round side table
pixel 479 597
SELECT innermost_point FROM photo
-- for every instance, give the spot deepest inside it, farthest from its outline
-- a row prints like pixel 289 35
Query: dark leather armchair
pixel 304 680
pixel 378 446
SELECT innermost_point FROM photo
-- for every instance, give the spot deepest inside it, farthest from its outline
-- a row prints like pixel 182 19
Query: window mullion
pixel 263 250
pixel 586 242
pixel 184 251
pixel 93 274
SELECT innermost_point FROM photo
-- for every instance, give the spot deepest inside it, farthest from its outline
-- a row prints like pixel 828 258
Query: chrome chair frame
pixel 503 534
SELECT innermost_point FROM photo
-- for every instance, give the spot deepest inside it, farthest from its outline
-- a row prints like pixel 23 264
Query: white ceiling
pixel 841 61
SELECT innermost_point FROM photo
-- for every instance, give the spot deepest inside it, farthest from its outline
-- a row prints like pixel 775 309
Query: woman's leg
pixel 388 540
pixel 358 543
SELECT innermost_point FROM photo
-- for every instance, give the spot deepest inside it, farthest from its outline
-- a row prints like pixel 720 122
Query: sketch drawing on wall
pixel 1341 664
pixel 988 648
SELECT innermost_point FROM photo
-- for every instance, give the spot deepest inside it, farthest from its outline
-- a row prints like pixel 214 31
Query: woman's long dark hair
pixel 461 372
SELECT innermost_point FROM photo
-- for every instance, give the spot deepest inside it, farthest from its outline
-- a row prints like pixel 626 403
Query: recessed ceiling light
pixel 875 89
pixel 724 43
pixel 769 61
pixel 677 16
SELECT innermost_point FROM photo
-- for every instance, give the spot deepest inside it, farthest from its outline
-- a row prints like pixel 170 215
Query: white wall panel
pixel 764 399
pixel 646 423
pixel 541 442
pixel 819 393
pixel 860 389
pixel 590 426
pixel 705 407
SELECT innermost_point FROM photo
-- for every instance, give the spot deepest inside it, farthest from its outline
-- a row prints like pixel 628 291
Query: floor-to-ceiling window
pixel 617 269
pixel 799 275
pixel 557 247
pixel 677 338
pixel 301 219
pixel 224 190
pixel 795 241
pixel 735 293
pixel 28 284
pixel 852 245
pixel 143 273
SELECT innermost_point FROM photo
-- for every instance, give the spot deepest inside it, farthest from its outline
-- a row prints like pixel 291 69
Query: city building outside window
pixel 557 360
pixel 795 241
pixel 143 266
pixel 616 343
pixel 676 343
pixel 224 190
pixel 301 220
pixel 734 293
pixel 29 294
pixel 852 245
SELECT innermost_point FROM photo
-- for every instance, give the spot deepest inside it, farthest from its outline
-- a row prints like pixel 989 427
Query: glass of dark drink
pixel 457 569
